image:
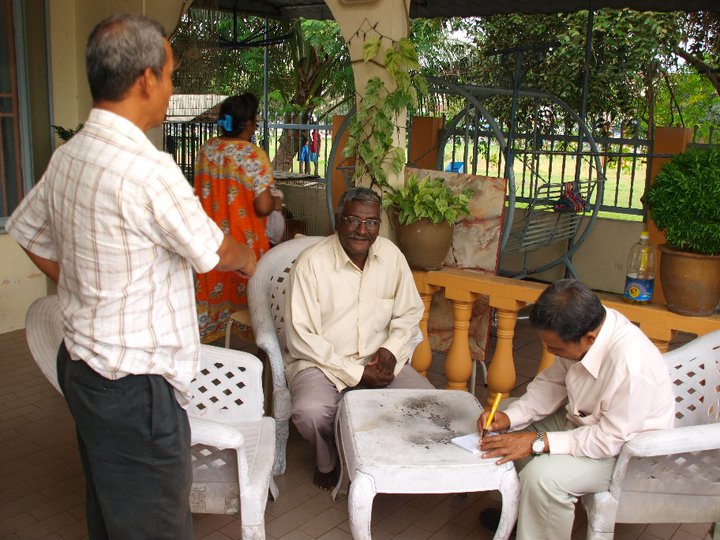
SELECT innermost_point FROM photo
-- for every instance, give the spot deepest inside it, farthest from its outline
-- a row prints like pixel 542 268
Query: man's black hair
pixel 569 308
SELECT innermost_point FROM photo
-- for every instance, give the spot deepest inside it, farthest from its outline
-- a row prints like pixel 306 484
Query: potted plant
pixel 64 133
pixel 424 212
pixel 684 202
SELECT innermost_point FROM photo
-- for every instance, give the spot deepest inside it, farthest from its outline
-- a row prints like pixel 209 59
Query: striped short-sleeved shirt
pixel 126 229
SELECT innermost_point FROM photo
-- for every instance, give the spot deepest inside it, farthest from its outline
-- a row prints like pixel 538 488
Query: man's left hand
pixel 509 446
pixel 385 361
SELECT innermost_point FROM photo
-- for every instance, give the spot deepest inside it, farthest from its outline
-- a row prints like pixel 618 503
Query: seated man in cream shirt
pixel 608 382
pixel 351 316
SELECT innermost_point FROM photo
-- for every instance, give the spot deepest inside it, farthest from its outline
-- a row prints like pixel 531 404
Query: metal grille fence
pixel 625 156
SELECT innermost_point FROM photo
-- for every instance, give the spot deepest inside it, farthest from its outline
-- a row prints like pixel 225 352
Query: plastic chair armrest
pixel 661 443
pixel 215 434
pixel 674 441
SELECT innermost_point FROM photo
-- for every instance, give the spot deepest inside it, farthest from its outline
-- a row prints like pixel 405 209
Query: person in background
pixel 116 225
pixel 351 321
pixel 234 181
pixel 304 158
pixel 314 149
pixel 608 383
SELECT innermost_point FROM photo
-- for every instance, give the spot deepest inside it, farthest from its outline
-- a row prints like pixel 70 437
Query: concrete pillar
pixel 373 18
pixel 667 141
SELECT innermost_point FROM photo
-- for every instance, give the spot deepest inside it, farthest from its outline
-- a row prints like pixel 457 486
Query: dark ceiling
pixel 317 9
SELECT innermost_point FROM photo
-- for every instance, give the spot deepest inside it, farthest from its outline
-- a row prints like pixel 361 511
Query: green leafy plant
pixel 684 201
pixel 427 198
pixel 370 133
pixel 66 133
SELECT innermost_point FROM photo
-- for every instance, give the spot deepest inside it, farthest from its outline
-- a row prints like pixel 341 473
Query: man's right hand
pixel 236 256
pixel 500 421
pixel 372 377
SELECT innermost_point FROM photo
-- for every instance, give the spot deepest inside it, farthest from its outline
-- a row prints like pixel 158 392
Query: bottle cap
pixel 644 235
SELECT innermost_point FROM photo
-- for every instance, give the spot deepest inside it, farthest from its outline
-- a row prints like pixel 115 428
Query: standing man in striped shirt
pixel 115 224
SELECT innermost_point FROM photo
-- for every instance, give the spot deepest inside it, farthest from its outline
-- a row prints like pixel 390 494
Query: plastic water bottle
pixel 640 277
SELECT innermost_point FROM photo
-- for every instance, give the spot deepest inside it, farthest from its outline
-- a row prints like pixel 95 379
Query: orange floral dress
pixel 229 174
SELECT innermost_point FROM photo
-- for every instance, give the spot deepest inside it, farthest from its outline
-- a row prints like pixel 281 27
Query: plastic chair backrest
pixel 695 372
pixel 223 386
pixel 266 293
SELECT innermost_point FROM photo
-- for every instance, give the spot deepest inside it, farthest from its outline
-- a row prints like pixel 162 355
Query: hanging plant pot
pixel 424 244
pixel 690 281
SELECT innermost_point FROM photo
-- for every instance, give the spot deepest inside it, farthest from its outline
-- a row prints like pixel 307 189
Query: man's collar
pixel 594 356
pixel 119 124
pixel 341 258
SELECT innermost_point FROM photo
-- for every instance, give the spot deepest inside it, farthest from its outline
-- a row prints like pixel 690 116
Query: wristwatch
pixel 538 445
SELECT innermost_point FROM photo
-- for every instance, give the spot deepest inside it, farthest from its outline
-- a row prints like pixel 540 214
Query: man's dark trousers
pixel 134 442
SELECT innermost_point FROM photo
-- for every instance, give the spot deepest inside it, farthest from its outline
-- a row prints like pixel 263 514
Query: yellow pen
pixel 494 407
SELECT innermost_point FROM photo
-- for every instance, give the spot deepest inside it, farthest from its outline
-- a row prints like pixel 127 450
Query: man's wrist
pixel 539 444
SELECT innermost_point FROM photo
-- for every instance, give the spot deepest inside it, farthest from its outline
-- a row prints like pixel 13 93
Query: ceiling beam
pixel 317 9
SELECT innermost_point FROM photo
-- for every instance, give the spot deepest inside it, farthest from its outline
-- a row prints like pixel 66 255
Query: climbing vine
pixel 371 130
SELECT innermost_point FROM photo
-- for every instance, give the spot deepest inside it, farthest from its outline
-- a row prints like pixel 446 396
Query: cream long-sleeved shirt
pixel 620 388
pixel 337 316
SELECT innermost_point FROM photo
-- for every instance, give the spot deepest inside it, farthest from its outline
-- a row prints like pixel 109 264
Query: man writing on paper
pixel 351 316
pixel 608 383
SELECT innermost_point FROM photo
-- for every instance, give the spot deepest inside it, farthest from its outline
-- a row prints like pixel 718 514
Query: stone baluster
pixel 458 364
pixel 501 372
pixel 422 357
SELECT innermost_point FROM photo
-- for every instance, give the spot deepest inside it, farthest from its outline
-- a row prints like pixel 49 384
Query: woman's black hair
pixel 240 109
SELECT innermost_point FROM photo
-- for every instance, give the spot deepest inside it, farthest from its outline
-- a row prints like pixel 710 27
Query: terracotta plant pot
pixel 690 281
pixel 425 244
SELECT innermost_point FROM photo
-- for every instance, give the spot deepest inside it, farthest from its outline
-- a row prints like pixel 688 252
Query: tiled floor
pixel 41 482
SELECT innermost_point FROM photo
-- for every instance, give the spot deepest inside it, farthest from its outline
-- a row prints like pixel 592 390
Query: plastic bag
pixel 275 227
pixel 275 224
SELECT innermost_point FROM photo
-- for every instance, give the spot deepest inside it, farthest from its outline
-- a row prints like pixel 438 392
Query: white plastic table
pixel 398 441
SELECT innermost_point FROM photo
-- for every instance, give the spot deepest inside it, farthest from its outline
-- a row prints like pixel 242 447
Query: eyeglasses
pixel 354 222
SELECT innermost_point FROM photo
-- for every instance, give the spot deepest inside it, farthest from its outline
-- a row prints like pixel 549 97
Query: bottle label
pixel 639 290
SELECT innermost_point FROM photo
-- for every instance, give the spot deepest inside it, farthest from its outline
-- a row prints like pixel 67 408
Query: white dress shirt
pixel 337 316
pixel 126 229
pixel 620 388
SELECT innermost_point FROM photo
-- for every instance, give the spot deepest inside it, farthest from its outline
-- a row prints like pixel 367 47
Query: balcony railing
pixel 508 296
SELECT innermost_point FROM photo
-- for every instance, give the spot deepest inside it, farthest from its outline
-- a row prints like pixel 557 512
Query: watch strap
pixel 539 438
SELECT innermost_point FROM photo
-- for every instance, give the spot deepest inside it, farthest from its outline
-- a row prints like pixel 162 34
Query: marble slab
pixel 475 247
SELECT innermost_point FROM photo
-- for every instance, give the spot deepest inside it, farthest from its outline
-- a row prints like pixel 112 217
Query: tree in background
pixel 700 46
pixel 319 78
pixel 223 53
pixel 627 48
pixel 641 66
pixel 634 67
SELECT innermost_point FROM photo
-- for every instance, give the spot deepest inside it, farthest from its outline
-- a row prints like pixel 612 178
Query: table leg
pixel 510 491
pixel 360 502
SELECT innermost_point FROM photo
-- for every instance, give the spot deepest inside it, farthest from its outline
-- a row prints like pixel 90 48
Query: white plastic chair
pixel 233 444
pixel 266 299
pixel 672 475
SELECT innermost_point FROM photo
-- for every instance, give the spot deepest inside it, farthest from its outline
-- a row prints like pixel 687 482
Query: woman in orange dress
pixel 233 179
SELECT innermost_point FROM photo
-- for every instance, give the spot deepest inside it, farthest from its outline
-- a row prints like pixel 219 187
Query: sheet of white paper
pixel 468 442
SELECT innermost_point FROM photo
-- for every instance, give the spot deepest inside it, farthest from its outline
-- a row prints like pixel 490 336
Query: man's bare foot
pixel 326 480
